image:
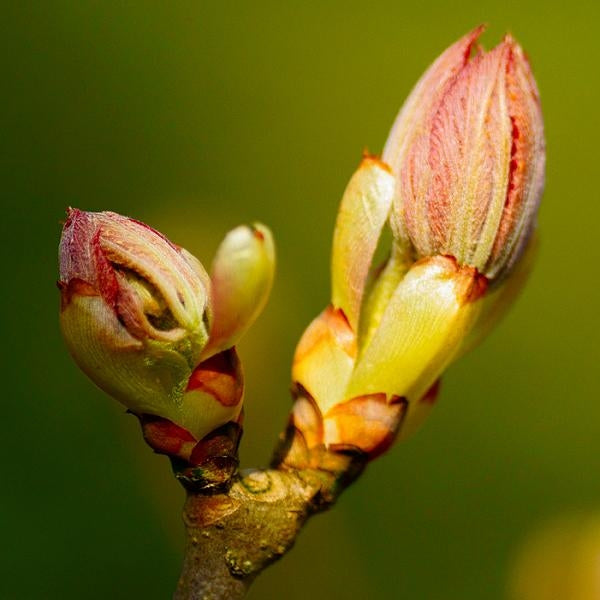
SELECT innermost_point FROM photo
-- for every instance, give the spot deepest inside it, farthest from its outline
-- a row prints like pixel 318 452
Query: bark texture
pixel 238 528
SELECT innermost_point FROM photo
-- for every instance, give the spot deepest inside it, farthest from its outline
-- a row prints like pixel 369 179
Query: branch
pixel 235 533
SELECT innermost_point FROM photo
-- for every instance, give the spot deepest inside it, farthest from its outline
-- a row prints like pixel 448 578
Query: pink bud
pixel 137 271
pixel 468 151
pixel 133 313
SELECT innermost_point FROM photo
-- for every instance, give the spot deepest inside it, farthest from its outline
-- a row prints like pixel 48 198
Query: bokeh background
pixel 197 116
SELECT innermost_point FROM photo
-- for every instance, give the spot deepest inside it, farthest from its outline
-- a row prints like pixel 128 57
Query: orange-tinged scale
pixel 369 160
pixel 219 376
pixel 165 437
pixel 470 284
pixel 331 327
pixel 368 422
pixel 306 418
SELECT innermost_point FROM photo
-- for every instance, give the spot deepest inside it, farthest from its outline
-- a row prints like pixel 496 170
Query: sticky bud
pixel 241 277
pixel 468 151
pixel 133 311
pixel 459 183
pixel 136 317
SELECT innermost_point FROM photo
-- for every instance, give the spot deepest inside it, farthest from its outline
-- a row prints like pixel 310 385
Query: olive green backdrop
pixel 197 116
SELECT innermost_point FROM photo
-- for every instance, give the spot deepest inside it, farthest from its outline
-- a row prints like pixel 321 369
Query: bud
pixel 242 277
pixel 468 150
pixel 361 218
pixel 459 185
pixel 135 314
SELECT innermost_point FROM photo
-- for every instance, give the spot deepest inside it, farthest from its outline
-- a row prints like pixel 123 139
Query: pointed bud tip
pixel 258 234
pixel 241 279
pixel 468 187
pixel 373 160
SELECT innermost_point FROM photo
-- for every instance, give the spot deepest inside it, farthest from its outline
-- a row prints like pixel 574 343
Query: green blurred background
pixel 196 116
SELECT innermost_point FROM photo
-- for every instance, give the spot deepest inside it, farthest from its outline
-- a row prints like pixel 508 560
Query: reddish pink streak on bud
pixel 104 272
pixel 527 158
pixel 82 256
pixel 75 251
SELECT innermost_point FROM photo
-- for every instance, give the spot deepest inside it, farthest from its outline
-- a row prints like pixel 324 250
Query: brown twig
pixel 238 528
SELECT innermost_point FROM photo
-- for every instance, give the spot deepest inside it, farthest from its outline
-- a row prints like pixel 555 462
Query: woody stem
pixel 234 534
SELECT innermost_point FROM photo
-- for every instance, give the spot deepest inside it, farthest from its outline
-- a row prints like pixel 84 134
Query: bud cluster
pixel 147 324
pixel 459 185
